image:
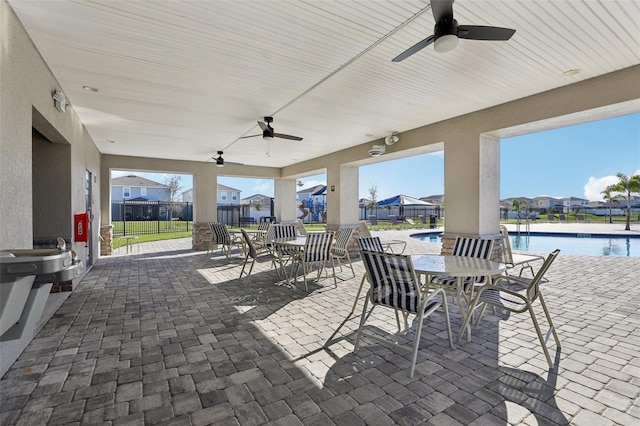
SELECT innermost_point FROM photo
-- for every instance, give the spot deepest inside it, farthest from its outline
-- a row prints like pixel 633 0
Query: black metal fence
pixel 150 217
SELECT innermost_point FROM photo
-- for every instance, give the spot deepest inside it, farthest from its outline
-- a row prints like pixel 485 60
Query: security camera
pixel 376 150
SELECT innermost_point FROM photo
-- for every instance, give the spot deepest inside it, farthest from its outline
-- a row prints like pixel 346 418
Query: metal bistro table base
pixel 457 266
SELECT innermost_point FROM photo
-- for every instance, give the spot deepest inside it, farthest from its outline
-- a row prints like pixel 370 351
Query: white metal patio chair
pixel 285 253
pixel 394 285
pixel 393 246
pixel 340 248
pixel 504 294
pixel 367 244
pixel 256 254
pixel 514 260
pixel 316 251
pixel 221 237
pixel 480 248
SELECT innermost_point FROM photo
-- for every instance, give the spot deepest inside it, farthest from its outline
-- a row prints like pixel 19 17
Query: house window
pixel 126 192
pixel 234 197
pixel 143 191
pixel 223 197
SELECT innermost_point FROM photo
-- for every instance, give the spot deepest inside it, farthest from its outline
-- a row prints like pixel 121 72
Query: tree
pixel 173 186
pixel 518 206
pixel 609 199
pixel 626 186
pixel 373 196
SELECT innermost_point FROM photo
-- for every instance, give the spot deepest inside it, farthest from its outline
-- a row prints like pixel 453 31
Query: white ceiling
pixel 182 80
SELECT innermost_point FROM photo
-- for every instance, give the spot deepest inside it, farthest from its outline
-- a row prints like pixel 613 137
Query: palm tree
pixel 626 186
pixel 609 199
pixel 518 206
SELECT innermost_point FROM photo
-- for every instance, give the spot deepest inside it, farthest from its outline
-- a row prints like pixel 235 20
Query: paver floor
pixel 172 336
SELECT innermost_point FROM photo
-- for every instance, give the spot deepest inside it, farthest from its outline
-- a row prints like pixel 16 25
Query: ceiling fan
pixel 268 133
pixel 447 31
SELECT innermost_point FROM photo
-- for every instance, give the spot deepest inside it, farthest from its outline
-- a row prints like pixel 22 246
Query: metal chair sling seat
pixel 367 244
pixel 316 251
pixel 504 294
pixel 254 253
pixel 514 260
pixel 394 285
pixel 221 236
pixel 284 253
pixel 393 246
pixel 479 248
pixel 340 247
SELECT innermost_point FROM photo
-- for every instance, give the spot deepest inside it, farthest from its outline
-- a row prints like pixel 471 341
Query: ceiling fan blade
pixel 478 32
pixel 414 49
pixel 442 9
pixel 262 125
pixel 281 136
pixel 251 136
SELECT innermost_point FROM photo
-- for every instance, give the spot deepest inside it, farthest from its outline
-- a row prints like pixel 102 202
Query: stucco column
pixel 342 195
pixel 472 186
pixel 205 206
pixel 285 208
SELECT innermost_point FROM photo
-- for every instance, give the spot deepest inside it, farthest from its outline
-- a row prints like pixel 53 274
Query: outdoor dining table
pixel 460 267
pixel 296 243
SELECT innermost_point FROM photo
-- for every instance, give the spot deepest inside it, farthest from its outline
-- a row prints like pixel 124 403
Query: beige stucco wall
pixel 26 88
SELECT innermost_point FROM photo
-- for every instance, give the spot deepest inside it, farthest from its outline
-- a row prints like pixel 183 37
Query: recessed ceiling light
pixel 90 89
pixel 569 73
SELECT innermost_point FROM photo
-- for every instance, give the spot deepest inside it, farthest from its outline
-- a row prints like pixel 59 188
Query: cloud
pixel 594 187
pixel 312 183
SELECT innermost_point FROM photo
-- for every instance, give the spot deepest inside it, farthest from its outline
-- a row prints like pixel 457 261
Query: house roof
pixel 262 196
pixel 134 180
pixel 310 190
pixel 227 188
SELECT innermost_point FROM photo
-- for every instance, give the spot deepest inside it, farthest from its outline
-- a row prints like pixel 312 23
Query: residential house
pixel 545 204
pixel 263 200
pixel 137 188
pixel 574 204
pixel 228 196
pixel 187 196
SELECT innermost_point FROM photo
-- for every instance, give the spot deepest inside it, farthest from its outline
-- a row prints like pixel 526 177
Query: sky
pixel 577 161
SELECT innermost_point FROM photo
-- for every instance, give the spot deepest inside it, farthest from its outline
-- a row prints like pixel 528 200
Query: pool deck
pixel 171 336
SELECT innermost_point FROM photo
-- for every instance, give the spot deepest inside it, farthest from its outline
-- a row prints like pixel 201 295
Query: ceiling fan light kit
pixel 220 160
pixel 377 150
pixel 447 32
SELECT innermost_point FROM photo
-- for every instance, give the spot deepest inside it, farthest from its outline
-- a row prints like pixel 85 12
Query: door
pixel 88 196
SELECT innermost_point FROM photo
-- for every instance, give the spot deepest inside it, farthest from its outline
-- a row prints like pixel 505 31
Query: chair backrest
pixel 285 231
pixel 507 255
pixel 300 227
pixel 533 289
pixel 317 247
pixel 370 244
pixel 220 233
pixel 263 226
pixel 251 248
pixel 343 238
pixel 270 235
pixel 473 247
pixel 363 230
pixel 393 280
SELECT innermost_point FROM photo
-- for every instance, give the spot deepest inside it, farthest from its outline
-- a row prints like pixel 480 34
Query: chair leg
pixel 362 319
pixel 445 306
pixel 549 320
pixel 355 302
pixel 540 337
pixel 416 343
pixel 350 264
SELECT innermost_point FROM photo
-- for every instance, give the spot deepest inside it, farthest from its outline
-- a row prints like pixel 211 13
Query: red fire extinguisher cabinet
pixel 81 227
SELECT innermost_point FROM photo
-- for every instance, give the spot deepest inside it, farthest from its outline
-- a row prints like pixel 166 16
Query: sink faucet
pixel 62 245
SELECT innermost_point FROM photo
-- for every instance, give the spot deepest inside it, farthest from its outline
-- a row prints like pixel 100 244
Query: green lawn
pixel 145 238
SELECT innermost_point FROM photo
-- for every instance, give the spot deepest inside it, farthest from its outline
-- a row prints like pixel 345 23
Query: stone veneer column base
pixel 201 236
pixel 106 240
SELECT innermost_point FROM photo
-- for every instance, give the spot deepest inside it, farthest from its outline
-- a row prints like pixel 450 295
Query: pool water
pixel 568 244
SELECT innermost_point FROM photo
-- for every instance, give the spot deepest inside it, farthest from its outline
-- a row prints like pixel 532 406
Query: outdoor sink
pixel 26 277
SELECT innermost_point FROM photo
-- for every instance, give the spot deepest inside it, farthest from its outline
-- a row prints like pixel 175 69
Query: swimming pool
pixel 580 244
